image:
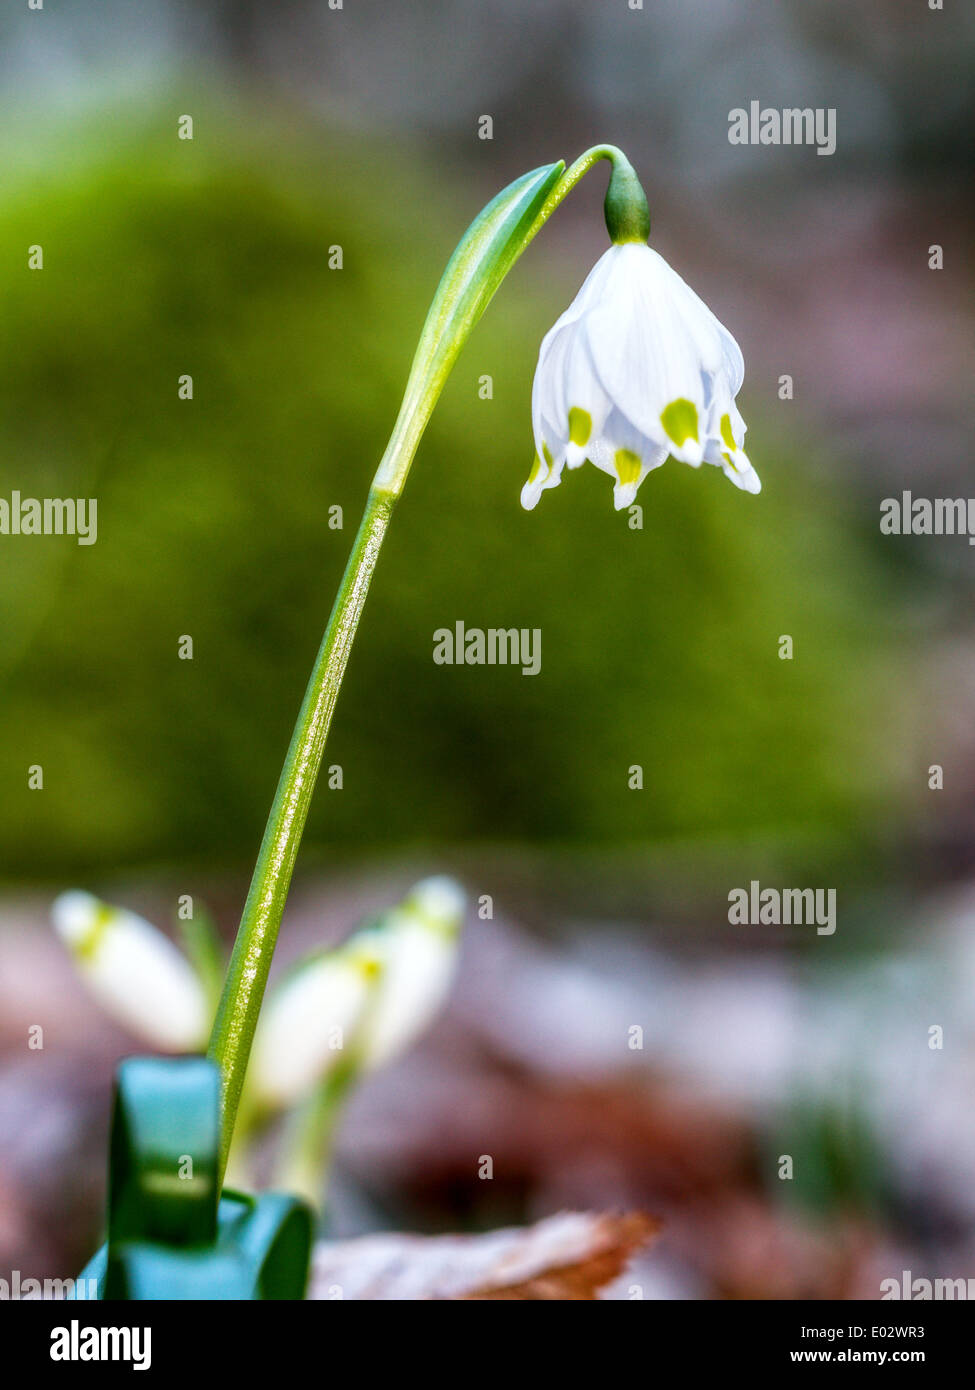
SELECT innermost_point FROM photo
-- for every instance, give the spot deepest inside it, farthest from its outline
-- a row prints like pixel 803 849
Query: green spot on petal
pixel 580 425
pixel 679 419
pixel 726 434
pixel 729 460
pixel 535 469
pixel 548 454
pixel 87 948
pixel 627 465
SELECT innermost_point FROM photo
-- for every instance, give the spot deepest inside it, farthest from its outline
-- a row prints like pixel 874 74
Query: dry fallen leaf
pixel 566 1257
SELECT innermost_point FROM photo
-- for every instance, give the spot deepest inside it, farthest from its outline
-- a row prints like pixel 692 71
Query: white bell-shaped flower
pixel 362 1003
pixel 418 943
pixel 636 369
pixel 135 972
pixel 309 1021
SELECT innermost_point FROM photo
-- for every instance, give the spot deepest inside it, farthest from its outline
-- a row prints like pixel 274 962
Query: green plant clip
pixel 169 1236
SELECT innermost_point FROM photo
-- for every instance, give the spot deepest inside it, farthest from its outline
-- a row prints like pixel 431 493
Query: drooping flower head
pixel 637 369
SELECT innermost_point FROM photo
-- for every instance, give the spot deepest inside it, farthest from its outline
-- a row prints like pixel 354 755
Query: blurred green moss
pixel 659 646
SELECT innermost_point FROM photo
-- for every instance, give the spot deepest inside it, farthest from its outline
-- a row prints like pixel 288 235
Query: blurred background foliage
pixel 659 646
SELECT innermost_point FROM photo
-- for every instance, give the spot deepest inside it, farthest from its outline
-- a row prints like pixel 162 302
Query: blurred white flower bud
pixel 135 972
pixel 418 944
pixel 364 1002
pixel 307 1022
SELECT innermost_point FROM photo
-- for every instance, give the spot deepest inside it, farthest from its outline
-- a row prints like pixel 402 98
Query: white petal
pixel 732 364
pixel 564 376
pixel 735 464
pixel 653 369
pixel 308 1022
pixel 134 971
pixel 738 468
pixel 566 382
pixel 440 900
pixel 726 434
pixel 644 350
pixel 620 436
pixel 365 1001
pixel 530 493
pixel 419 966
pixel 418 945
pixel 543 475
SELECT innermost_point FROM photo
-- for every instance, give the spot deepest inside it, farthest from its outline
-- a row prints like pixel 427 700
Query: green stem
pixel 574 173
pixel 305 1168
pixel 247 973
pixel 625 207
pixel 485 254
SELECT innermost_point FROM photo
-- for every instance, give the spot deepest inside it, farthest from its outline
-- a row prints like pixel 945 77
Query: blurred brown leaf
pixel 566 1257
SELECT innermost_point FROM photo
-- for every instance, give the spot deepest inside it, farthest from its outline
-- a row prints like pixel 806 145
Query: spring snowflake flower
pixel 364 1002
pixel 418 944
pixel 636 369
pixel 307 1020
pixel 135 972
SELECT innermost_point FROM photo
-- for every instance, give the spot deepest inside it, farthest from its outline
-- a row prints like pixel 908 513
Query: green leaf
pixel 481 260
pixel 205 952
